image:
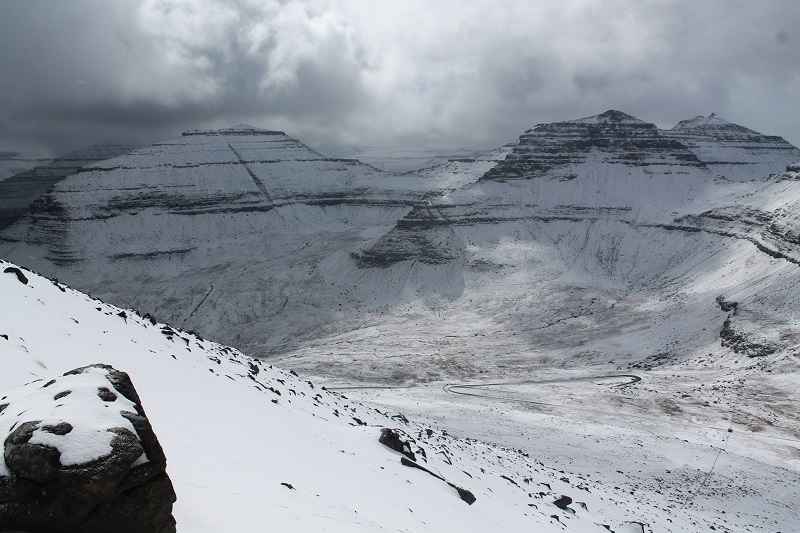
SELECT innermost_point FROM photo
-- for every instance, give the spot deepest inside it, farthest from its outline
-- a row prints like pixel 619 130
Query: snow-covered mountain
pixel 518 280
pixel 254 239
pixel 248 444
pixel 18 191
pixel 733 151
pixel 14 161
pixel 403 158
pixel 226 204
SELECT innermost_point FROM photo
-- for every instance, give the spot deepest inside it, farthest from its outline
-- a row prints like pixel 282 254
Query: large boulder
pixel 79 454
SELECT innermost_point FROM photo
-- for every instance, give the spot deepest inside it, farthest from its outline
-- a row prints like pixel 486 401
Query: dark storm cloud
pixel 85 68
pixel 363 72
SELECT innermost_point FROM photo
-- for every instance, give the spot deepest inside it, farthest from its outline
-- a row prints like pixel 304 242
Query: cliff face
pixel 560 148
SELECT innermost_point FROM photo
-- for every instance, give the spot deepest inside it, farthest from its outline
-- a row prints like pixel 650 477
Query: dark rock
pixel 727 306
pixel 35 462
pixel 116 492
pixel 287 485
pixel 20 276
pixel 463 493
pixel 58 429
pixel 106 395
pixel 562 502
pixel 62 394
pixel 391 439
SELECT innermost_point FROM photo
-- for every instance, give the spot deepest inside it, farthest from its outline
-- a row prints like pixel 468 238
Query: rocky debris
pixel 743 343
pixel 20 276
pixel 393 438
pixel 81 455
pixel 727 306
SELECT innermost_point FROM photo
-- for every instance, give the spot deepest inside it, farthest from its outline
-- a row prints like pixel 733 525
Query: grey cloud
pixel 337 72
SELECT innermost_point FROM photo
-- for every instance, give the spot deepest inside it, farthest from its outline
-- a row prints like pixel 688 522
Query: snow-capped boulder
pixel 80 455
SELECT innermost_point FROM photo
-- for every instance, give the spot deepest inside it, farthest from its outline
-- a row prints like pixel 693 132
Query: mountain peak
pixel 610 116
pixel 239 129
pixel 712 121
pixel 731 150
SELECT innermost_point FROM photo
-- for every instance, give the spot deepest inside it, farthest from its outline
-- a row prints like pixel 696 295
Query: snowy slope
pixel 18 191
pixel 251 446
pixel 13 161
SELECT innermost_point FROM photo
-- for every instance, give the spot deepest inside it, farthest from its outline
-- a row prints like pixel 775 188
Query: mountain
pixel 17 192
pixel 404 158
pixel 254 239
pixel 13 161
pixel 733 151
pixel 226 204
pixel 595 293
pixel 248 444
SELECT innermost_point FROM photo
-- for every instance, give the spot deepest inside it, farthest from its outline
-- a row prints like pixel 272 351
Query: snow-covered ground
pixel 250 446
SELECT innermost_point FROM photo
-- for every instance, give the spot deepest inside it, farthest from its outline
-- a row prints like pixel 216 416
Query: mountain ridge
pixel 523 287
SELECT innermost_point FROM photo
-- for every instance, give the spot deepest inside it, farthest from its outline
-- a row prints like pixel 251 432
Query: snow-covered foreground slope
pixel 251 447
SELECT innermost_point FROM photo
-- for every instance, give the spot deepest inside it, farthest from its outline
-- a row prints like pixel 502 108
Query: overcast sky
pixel 375 72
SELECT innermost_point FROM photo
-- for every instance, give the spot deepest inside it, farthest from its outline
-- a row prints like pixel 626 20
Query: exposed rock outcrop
pixel 80 455
pixel 391 439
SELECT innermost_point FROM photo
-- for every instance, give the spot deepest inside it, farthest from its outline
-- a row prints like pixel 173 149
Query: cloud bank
pixel 364 72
